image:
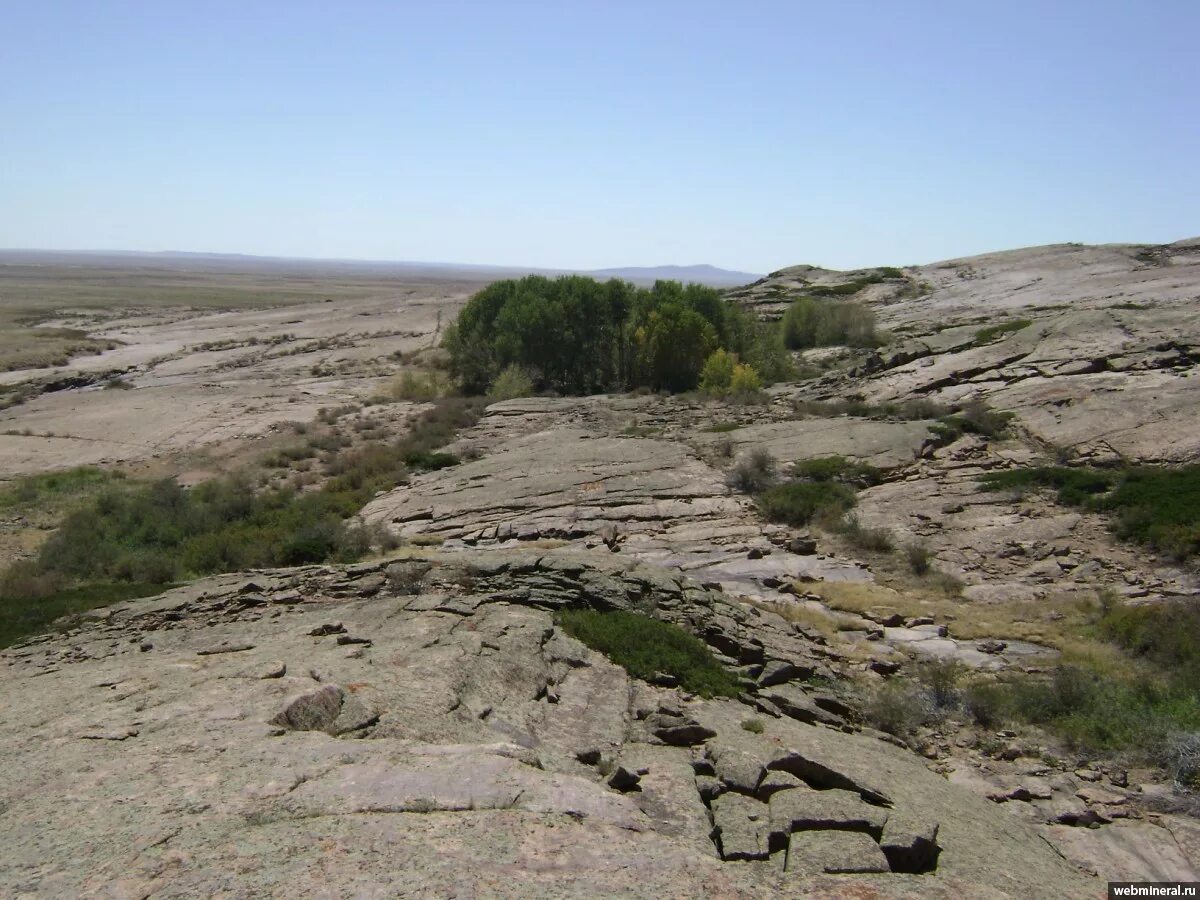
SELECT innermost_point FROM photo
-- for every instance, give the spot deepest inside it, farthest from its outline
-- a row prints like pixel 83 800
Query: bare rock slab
pixel 834 853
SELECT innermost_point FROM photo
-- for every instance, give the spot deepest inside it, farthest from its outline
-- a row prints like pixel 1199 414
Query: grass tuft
pixel 645 647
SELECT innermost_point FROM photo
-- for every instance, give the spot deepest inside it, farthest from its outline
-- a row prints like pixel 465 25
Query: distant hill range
pixel 236 262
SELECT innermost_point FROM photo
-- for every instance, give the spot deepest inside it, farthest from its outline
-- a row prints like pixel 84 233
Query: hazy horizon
pixel 594 137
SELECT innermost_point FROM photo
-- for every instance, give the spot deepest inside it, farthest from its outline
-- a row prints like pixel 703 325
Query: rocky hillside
pixel 422 724
pixel 1100 358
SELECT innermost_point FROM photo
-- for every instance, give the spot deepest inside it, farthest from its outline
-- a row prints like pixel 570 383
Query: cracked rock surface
pixel 467 749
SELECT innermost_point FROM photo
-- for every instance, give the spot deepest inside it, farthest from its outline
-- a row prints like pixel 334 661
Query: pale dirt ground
pixel 186 398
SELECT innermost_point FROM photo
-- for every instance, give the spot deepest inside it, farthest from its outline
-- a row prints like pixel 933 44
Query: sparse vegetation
pixel 897 707
pixel 1147 707
pixel 128 532
pixel 754 473
pixel 837 468
pixel 645 647
pixel 919 558
pixel 52 488
pixel 909 410
pixel 422 387
pixel 875 540
pixel 976 417
pixel 1156 506
pixel 19 620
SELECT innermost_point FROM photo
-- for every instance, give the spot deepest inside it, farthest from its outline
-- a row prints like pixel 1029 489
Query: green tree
pixel 744 380
pixel 674 346
pixel 717 373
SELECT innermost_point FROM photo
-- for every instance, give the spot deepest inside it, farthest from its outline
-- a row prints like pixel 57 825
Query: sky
pixel 749 135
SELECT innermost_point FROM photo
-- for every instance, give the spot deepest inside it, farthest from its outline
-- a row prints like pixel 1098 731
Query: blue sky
pixel 749 135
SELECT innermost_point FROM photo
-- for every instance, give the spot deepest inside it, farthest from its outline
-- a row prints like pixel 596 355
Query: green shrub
pixel 21 619
pixel 987 703
pixel 51 487
pixel 941 678
pixel 1156 506
pixel 158 532
pixel 645 647
pixel 837 468
pixel 974 418
pixel 799 502
pixel 754 726
pixel 1166 634
pixel 1181 758
pixel 512 383
pixel 811 322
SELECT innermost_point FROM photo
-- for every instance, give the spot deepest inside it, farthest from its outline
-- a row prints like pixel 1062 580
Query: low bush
pixel 645 647
pixel 876 540
pixel 724 375
pixel 941 678
pixel 898 708
pixel 754 473
pixel 420 387
pixel 745 381
pixel 837 468
pixel 799 502
pixel 919 558
pixel 975 417
pixel 1164 634
pixel 986 703
pixel 1140 711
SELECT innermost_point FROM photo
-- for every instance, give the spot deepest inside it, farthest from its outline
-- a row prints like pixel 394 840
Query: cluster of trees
pixel 812 322
pixel 576 335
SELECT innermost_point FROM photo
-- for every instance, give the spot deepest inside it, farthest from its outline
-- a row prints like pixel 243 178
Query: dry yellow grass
pixel 425 540
pixel 39 348
pixel 799 614
pixel 1056 621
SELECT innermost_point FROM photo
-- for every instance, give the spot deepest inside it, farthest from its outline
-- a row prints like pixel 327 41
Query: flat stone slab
pixel 834 853
pixel 882 444
pixel 743 826
pixel 805 810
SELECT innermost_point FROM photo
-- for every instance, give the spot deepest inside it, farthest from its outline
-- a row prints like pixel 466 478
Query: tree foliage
pixel 576 335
